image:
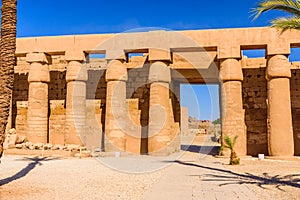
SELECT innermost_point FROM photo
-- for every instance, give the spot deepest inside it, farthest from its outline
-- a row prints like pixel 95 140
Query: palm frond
pixel 228 142
pixel 286 23
pixel 289 6
pixel 234 140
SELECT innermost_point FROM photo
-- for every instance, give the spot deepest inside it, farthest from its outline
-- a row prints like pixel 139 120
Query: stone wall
pixel 96 89
pixel 138 88
pixel 57 88
pixel 57 122
pixel 20 103
pixel 295 98
pixel 184 126
pixel 254 103
pixel 175 97
pixel 20 117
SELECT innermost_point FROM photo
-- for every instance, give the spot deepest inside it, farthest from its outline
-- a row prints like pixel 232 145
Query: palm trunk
pixel 234 160
pixel 7 62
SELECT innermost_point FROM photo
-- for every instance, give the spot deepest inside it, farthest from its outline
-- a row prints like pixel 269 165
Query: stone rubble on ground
pixel 13 140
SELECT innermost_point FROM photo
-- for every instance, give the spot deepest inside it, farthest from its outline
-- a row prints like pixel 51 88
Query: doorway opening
pixel 200 118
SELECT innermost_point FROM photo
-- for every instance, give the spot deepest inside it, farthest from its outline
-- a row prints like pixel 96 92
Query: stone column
pixel 37 115
pixel 280 131
pixel 159 131
pixel 233 122
pixel 76 78
pixel 115 114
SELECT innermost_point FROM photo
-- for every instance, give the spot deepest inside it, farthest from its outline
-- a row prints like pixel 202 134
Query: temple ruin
pixel 120 92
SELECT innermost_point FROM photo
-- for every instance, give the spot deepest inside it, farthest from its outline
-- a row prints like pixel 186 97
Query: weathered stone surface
pixel 76 71
pixel 160 112
pixel 12 131
pixel 12 139
pixel 184 126
pixel 116 71
pixel 37 58
pixel 231 70
pixel 83 154
pixel 38 145
pixel 160 55
pixel 159 72
pixel 75 124
pixel 280 129
pixel 37 114
pixel 278 67
pixel 19 146
pixel 52 106
pixel 73 147
pixel 232 109
pixel 255 105
pixel 57 122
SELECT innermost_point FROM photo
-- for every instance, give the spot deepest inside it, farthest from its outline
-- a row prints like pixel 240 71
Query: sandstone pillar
pixel 115 114
pixel 76 78
pixel 280 131
pixel 159 131
pixel 233 122
pixel 37 115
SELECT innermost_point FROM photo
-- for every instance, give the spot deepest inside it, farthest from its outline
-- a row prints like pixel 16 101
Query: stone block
pixel 75 56
pixel 37 57
pixel 159 55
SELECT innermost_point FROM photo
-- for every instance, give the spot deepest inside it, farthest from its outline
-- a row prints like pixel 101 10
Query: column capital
pixel 159 72
pixel 76 71
pixel 39 69
pixel 231 70
pixel 278 66
pixel 37 57
pixel 116 71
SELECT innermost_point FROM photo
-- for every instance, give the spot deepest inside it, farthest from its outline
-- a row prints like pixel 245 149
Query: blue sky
pixel 56 17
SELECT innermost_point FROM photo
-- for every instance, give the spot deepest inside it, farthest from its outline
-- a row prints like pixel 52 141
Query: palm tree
pixel 234 160
pixel 7 62
pixel 292 7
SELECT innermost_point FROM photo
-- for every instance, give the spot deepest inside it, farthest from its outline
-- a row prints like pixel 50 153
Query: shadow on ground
pixel 228 177
pixel 30 166
pixel 209 150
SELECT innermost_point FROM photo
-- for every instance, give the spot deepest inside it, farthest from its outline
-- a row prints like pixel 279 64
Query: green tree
pixel 292 7
pixel 229 143
pixel 217 121
pixel 7 62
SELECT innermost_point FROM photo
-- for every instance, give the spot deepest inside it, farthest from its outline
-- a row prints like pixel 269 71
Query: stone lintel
pixel 38 57
pixel 75 56
pixel 159 54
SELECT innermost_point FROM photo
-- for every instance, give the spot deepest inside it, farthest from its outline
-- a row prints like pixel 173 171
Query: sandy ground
pixel 269 179
pixel 88 178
